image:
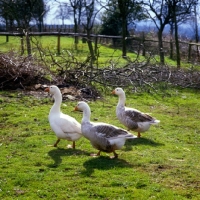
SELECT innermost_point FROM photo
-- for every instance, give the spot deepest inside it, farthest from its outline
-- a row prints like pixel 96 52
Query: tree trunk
pixel 171 41
pixel 122 5
pixel 75 31
pixel 178 59
pixel 89 41
pixel 160 46
pixel 123 37
pixel 28 44
pixel 196 30
pixel 76 37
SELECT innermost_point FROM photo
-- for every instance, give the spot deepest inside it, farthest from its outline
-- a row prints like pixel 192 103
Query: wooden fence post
pixel 95 44
pixel 58 44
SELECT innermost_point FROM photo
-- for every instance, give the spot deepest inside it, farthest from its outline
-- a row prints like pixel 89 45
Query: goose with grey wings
pixel 103 137
pixel 132 118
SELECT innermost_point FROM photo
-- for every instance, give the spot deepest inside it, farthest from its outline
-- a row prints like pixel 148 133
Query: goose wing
pixel 67 124
pixel 109 131
pixel 104 134
pixel 138 116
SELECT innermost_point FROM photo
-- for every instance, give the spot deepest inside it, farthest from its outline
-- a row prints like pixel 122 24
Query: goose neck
pixel 122 99
pixel 86 115
pixel 57 103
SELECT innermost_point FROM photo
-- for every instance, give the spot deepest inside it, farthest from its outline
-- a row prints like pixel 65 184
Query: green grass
pixel 107 56
pixel 163 164
pixel 12 45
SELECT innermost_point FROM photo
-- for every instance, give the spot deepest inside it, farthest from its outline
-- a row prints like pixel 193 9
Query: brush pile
pixel 140 75
pixel 19 72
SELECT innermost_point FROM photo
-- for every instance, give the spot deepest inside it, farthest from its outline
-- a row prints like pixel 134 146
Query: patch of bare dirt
pixel 68 92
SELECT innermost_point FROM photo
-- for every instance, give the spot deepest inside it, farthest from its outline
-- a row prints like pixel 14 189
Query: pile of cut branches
pixel 145 74
pixel 139 75
pixel 20 72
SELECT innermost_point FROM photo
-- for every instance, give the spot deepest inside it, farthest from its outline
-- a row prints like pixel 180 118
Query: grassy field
pixel 48 44
pixel 67 44
pixel 163 164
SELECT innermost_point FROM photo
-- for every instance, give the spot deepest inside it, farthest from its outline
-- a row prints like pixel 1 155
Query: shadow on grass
pixel 141 141
pixel 3 43
pixel 58 153
pixel 103 163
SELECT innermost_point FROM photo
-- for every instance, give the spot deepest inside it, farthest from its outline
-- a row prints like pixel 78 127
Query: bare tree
pixel 163 12
pixel 194 19
pixel 181 10
pixel 88 19
pixel 161 16
pixel 76 9
pixel 62 12
pixel 40 11
pixel 128 11
pixel 123 7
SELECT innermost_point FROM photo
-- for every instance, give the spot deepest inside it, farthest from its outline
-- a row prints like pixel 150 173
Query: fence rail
pixel 56 34
pixel 189 50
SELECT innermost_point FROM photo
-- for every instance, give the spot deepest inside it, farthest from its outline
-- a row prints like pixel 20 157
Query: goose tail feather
pixel 155 122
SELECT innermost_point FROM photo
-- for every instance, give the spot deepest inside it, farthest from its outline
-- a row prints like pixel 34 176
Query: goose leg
pixel 94 155
pixel 139 135
pixel 69 146
pixel 98 154
pixel 73 145
pixel 115 155
pixel 55 145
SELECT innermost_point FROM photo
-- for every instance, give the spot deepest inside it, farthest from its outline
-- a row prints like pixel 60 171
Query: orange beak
pixel 113 92
pixel 76 108
pixel 46 89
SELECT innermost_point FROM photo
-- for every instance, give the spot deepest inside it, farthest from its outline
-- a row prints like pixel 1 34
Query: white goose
pixel 64 126
pixel 132 118
pixel 104 137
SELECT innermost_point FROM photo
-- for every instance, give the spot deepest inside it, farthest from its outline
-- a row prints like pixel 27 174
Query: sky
pixel 142 26
pixel 50 17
